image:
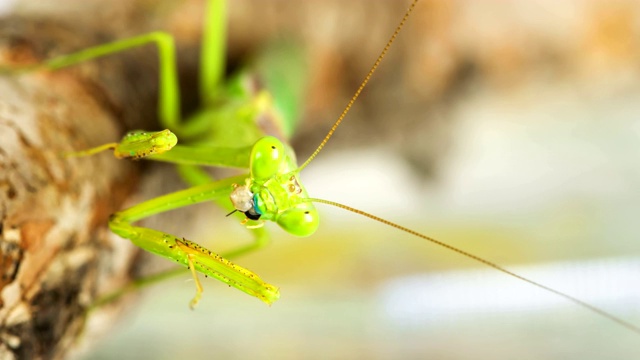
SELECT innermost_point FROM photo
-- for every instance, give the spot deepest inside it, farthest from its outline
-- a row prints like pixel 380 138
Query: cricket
pixel 271 185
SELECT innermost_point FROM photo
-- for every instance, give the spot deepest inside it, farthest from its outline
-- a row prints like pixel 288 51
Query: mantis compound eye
pixel 267 158
pixel 302 220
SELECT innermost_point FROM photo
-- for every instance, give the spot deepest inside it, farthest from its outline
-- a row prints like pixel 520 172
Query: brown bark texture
pixel 56 255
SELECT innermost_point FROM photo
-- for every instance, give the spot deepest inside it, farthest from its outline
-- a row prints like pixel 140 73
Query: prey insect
pixel 272 191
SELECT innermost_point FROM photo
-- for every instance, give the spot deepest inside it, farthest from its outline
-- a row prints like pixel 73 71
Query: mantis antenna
pixel 355 96
pixel 585 305
pixel 362 85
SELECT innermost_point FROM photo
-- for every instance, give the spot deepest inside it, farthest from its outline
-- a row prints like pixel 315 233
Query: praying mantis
pixel 247 201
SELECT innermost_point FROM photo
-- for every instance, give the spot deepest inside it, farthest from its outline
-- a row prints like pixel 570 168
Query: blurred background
pixel 506 128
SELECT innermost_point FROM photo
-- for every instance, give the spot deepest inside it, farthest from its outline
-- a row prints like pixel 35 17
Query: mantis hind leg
pixel 212 51
pixel 212 62
pixel 169 96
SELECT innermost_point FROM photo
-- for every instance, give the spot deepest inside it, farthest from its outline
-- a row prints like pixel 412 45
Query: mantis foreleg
pixel 184 251
pixel 196 176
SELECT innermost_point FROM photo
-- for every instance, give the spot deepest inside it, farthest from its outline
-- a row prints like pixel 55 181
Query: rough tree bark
pixel 56 254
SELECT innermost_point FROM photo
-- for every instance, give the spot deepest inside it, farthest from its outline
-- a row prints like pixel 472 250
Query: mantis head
pixel 274 191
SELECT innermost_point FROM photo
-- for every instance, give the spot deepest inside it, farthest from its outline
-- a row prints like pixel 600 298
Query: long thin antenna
pixel 585 305
pixel 362 85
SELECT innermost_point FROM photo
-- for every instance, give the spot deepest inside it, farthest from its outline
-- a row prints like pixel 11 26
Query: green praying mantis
pixel 271 191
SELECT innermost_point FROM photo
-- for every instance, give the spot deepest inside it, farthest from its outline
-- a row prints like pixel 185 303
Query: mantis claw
pixel 199 289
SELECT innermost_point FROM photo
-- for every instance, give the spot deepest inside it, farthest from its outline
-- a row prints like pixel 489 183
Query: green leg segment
pixel 196 176
pixel 213 50
pixel 169 102
pixel 184 251
pixel 206 156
